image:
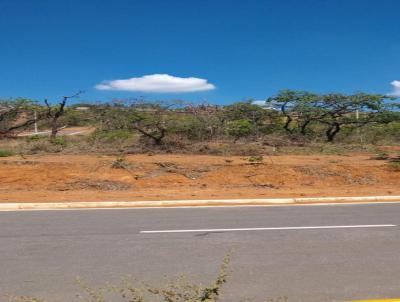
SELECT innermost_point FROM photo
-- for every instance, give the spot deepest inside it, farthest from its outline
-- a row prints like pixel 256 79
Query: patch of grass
pixel 43 146
pixel 381 156
pixel 59 141
pixel 111 135
pixel 120 163
pixel 6 153
pixel 327 149
pixel 33 138
pixel 394 166
pixel 256 159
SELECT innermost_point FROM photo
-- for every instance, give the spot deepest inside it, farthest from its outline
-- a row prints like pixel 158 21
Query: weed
pixel 175 290
pixel 256 159
pixel 120 163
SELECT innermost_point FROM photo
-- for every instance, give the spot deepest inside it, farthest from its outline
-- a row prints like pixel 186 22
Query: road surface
pixel 307 253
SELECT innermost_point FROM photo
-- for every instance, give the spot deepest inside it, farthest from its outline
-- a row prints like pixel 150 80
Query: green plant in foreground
pixel 6 153
pixel 176 290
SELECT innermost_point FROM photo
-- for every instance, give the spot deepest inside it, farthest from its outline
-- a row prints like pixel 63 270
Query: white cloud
pixel 396 88
pixel 160 83
pixel 258 102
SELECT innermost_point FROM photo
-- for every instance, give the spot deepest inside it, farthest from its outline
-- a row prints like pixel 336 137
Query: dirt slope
pixel 142 177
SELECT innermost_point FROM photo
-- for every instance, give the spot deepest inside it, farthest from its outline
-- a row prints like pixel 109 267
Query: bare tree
pixel 55 112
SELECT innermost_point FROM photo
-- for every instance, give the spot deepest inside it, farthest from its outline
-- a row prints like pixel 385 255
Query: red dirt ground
pixel 50 178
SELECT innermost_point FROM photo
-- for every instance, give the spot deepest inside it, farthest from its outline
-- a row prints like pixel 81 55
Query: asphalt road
pixel 42 252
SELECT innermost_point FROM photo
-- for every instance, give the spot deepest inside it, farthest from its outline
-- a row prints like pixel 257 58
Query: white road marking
pixel 274 228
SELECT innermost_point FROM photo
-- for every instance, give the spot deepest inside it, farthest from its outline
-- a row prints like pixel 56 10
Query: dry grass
pixel 131 290
pixel 133 145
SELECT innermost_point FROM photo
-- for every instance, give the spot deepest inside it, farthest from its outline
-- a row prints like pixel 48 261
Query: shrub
pixel 240 128
pixel 44 146
pixel 6 153
pixel 59 141
pixel 33 138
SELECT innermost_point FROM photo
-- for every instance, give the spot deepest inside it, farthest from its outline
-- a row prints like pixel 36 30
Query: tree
pixel 339 110
pixel 203 121
pixel 334 111
pixel 248 111
pixel 152 120
pixel 240 128
pixel 300 109
pixel 16 115
pixel 112 117
pixel 54 113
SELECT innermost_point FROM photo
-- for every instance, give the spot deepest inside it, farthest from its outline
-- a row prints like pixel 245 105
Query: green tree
pixel 339 110
pixel 300 109
pixel 240 128
pixel 253 113
pixel 153 120
pixel 333 111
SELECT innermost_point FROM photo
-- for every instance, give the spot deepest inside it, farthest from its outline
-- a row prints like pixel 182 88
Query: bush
pixel 44 146
pixel 33 138
pixel 6 153
pixel 240 128
pixel 111 135
pixel 59 141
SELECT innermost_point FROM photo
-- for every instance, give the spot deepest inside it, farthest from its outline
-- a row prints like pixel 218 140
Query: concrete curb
pixel 192 203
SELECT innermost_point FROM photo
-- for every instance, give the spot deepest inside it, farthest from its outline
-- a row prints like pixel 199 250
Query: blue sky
pixel 233 49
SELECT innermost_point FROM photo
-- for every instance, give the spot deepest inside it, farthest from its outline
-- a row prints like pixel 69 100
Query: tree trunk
pixel 156 139
pixel 54 131
pixel 332 131
pixel 287 124
pixel 303 127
